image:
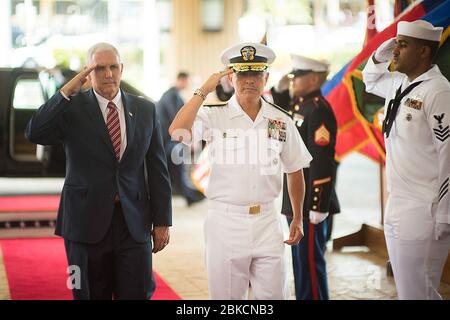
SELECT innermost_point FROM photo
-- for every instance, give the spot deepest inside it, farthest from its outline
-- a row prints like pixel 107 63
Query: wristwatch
pixel 200 93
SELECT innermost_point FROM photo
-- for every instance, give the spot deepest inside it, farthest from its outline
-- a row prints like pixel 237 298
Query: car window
pixel 48 82
pixel 28 94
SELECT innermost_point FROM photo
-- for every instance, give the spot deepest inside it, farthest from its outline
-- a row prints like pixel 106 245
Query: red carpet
pixel 29 203
pixel 36 270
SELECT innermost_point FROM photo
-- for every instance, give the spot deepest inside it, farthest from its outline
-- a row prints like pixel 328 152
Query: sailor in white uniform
pixel 252 142
pixel 417 137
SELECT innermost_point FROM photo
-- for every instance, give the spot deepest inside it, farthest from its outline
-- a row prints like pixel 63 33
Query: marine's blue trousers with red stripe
pixel 308 259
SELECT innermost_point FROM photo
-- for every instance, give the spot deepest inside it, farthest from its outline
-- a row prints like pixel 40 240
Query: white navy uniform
pixel 417 171
pixel 243 232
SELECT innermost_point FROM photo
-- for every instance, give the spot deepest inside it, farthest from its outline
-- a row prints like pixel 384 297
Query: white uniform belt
pixel 254 209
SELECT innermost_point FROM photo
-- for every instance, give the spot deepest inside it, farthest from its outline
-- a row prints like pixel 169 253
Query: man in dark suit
pixel 166 109
pixel 317 126
pixel 117 190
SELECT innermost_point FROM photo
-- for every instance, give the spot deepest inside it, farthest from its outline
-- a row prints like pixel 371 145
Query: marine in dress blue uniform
pixel 317 126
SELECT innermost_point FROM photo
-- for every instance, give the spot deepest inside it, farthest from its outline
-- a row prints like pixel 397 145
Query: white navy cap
pixel 420 29
pixel 248 56
pixel 303 65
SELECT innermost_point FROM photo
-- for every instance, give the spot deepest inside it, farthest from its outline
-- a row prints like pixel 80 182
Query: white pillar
pixel 318 13
pixel 151 49
pixel 384 14
pixel 113 21
pixel 30 23
pixel 5 33
pixel 333 12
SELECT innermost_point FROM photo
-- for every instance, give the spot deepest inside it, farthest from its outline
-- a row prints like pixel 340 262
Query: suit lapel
pixel 130 112
pixel 93 109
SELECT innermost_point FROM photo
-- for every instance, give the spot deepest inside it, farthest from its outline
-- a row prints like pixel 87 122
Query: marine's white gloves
pixel 442 230
pixel 384 51
pixel 317 217
pixel 283 84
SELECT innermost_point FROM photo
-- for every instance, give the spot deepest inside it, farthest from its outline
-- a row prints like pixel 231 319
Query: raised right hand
pixel 384 53
pixel 74 85
pixel 212 82
pixel 283 84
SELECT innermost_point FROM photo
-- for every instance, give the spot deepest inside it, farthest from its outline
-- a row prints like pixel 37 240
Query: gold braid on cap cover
pixel 243 67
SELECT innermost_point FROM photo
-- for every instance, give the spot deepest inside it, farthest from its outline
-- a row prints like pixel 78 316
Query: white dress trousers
pixel 246 247
pixel 242 248
pixel 417 175
pixel 417 259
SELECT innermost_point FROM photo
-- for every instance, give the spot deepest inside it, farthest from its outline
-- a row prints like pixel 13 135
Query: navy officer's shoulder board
pixel 216 104
pixel 277 107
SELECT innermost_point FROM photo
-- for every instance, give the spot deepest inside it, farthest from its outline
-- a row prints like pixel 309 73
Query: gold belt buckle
pixel 254 209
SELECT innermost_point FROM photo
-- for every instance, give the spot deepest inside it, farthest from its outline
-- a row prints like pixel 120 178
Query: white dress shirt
pixel 418 147
pixel 246 161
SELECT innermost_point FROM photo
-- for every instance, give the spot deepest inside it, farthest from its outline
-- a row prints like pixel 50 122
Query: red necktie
pixel 113 124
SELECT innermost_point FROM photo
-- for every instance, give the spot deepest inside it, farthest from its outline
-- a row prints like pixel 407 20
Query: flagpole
pixel 382 189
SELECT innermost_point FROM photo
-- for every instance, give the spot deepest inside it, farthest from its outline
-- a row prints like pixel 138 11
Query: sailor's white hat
pixel 420 29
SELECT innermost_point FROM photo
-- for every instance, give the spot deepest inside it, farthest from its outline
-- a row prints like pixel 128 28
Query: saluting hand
pixel 212 82
pixel 384 53
pixel 296 232
pixel 75 84
pixel 283 84
pixel 161 236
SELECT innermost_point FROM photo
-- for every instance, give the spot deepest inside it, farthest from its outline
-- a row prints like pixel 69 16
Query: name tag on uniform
pixel 230 133
pixel 414 102
pixel 276 129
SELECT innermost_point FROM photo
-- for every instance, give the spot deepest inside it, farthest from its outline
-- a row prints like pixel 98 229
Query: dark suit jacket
pixel 93 175
pixel 166 110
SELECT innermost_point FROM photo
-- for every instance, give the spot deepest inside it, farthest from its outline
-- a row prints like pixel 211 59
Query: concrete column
pixel 151 49
pixel 5 33
pixel 384 14
pixel 196 51
pixel 30 23
pixel 46 11
pixel 114 21
pixel 333 12
pixel 318 13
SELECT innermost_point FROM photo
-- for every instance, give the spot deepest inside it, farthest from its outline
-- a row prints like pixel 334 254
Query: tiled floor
pixel 354 273
pixel 4 288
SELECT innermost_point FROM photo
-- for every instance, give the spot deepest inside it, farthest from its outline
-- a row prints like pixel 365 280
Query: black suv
pixel 22 91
